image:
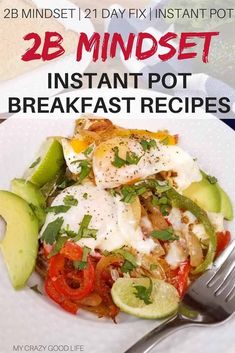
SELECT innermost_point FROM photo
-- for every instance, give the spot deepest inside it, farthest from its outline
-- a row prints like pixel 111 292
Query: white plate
pixel 28 319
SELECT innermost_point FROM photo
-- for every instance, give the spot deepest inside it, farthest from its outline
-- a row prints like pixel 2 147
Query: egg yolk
pixel 79 145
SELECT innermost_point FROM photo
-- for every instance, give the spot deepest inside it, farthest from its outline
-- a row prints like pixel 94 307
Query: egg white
pixel 72 158
pixel 114 220
pixel 157 159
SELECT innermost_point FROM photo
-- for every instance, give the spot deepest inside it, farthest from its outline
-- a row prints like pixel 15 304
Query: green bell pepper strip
pixel 185 203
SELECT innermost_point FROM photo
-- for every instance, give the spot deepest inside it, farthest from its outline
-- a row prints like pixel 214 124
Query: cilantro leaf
pixel 84 231
pixel 112 192
pixel 85 166
pixel 89 233
pixel 88 151
pixel 80 265
pixel 38 160
pixel 155 201
pixel 127 256
pixel 118 161
pixel 127 267
pixel 129 193
pixel 144 293
pixel 132 158
pixel 58 246
pixel 212 180
pixel 58 209
pixel 161 186
pixel 68 232
pixel 165 209
pixel 166 234
pixel 69 200
pixel 147 145
pixel 163 203
pixel 85 170
pixel 51 233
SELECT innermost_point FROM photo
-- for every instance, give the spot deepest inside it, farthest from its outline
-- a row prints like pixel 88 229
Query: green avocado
pixel 226 205
pixel 205 194
pixel 33 195
pixel 20 243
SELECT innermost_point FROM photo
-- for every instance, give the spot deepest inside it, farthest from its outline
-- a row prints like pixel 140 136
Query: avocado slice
pixel 20 244
pixel 205 195
pixel 33 195
pixel 226 205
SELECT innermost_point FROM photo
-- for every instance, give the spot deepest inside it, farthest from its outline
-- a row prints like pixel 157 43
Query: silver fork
pixel 209 300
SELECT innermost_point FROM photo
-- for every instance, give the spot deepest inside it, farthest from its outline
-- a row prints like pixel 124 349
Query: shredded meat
pixel 155 215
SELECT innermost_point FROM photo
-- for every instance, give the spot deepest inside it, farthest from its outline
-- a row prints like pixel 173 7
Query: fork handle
pixel 149 341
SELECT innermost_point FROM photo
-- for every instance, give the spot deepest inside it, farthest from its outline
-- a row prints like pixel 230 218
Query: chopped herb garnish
pixel 130 260
pixel 118 161
pixel 68 232
pixel 155 201
pixel 38 160
pixel 127 267
pixel 85 170
pixel 163 203
pixel 127 256
pixel 132 158
pixel 166 234
pixel 112 192
pixel 85 195
pixel 212 180
pixel 147 145
pixel 84 231
pixel 144 293
pixel 57 209
pixel 163 200
pixel 69 200
pixel 58 246
pixel 80 265
pixel 165 209
pixel 156 186
pixel 161 186
pixel 51 233
pixel 129 193
pixel 88 151
pixel 89 233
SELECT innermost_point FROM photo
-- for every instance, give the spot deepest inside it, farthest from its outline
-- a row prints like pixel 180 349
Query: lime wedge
pixel 164 298
pixel 47 163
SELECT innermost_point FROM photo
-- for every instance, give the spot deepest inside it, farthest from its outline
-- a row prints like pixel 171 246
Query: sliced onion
pixel 195 250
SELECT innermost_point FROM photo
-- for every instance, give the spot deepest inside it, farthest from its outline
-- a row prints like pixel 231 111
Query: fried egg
pixel 116 222
pixel 157 159
pixel 74 150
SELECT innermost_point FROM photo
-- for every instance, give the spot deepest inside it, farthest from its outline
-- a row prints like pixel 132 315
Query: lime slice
pixel 47 163
pixel 164 298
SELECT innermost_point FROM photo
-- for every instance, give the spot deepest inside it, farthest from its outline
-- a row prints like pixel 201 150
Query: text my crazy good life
pixel 103 46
